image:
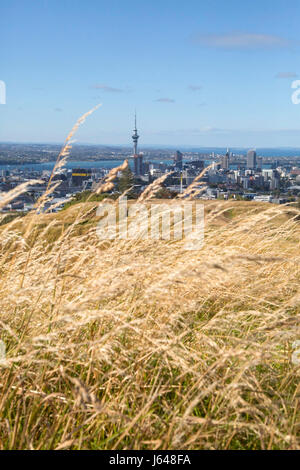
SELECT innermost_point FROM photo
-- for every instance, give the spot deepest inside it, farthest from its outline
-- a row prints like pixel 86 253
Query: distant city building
pixel 259 163
pixel 263 198
pixel 267 174
pixel 178 160
pixel 188 178
pixel 199 164
pixel 146 167
pixel 275 181
pixel 225 161
pixel 79 175
pixel 251 159
pixel 138 164
pixel 246 183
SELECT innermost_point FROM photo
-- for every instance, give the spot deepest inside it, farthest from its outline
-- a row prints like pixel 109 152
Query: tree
pixel 164 193
pixel 127 181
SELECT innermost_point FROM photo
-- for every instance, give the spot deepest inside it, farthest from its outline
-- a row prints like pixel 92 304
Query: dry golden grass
pixel 140 344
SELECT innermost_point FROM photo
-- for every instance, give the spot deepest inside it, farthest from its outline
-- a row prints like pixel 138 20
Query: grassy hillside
pixel 140 344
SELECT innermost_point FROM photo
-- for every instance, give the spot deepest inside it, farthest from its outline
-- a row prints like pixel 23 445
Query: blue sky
pixel 201 73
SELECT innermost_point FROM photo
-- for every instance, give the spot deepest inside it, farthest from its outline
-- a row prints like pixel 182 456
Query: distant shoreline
pixel 39 162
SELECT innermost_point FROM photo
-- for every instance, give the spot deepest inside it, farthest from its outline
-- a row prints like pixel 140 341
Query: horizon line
pixel 170 146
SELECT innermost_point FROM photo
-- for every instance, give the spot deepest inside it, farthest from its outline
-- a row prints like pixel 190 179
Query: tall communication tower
pixel 135 137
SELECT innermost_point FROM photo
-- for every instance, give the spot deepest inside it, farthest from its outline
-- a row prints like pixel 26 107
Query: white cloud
pixel 193 131
pixel 165 100
pixel 107 88
pixel 240 40
pixel 194 87
pixel 286 75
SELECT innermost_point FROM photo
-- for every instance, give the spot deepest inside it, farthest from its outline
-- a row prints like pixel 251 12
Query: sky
pixel 199 73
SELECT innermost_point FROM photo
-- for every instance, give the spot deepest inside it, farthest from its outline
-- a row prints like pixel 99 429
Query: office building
pixel 251 159
pixel 178 160
pixel 225 161
pixel 79 175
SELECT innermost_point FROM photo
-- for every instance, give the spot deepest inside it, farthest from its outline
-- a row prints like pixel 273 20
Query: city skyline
pixel 214 75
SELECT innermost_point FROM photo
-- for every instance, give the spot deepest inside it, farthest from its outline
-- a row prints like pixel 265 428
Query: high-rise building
pixel 259 163
pixel 275 181
pixel 245 182
pixel 225 161
pixel 251 159
pixel 138 164
pixel 178 160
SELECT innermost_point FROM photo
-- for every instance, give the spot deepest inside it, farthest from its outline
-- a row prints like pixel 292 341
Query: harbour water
pixel 107 164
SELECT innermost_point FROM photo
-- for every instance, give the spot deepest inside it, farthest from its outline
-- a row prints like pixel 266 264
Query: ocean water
pixel 107 164
pixel 71 164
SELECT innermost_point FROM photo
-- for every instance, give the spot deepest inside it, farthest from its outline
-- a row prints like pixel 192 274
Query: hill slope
pixel 143 344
